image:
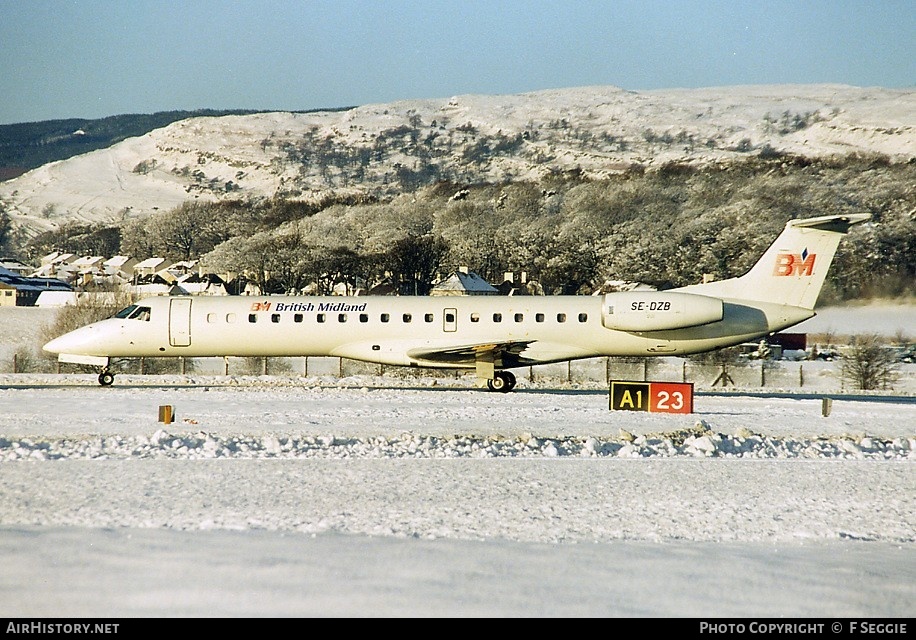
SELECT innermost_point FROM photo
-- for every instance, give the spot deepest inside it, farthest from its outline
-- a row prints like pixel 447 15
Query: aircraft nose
pixel 59 344
pixel 76 342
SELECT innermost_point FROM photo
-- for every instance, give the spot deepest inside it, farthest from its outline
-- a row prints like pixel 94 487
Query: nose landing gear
pixel 106 377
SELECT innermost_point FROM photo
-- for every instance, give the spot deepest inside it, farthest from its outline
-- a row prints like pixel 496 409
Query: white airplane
pixel 488 334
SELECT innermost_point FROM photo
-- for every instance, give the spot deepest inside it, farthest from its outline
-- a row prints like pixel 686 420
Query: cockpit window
pixel 141 313
pixel 126 311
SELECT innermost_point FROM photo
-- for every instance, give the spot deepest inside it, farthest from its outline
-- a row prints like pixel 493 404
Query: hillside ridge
pixel 386 149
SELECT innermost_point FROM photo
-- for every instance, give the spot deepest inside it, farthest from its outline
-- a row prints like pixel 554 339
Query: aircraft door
pixel 180 322
pixel 450 320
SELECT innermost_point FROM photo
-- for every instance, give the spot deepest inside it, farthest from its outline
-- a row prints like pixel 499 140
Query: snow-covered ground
pixel 313 496
pixel 301 500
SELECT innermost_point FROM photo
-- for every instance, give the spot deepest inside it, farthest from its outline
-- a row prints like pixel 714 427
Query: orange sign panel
pixel 656 397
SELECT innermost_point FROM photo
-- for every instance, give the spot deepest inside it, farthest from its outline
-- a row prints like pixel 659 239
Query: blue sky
pixel 95 58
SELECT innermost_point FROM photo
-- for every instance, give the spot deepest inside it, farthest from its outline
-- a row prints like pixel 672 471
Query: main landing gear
pixel 106 377
pixel 503 381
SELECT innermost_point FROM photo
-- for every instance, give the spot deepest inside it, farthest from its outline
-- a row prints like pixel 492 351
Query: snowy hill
pixel 388 148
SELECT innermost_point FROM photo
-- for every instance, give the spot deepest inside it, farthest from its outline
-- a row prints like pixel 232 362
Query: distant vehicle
pixel 490 335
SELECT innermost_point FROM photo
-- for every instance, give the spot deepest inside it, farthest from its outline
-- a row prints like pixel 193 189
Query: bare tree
pixel 184 231
pixel 6 228
pixel 415 260
pixel 869 364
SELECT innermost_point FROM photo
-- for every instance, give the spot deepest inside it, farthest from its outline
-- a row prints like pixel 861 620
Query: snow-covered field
pixel 295 496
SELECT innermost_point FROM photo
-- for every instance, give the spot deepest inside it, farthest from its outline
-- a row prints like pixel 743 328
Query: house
pixel 519 285
pixel 157 287
pixel 58 258
pixel 383 289
pixel 120 266
pixel 182 267
pixel 88 270
pixel 58 265
pixel 23 291
pixel 17 267
pixel 7 295
pixel 88 263
pixel 149 267
pixel 203 284
pixel 464 283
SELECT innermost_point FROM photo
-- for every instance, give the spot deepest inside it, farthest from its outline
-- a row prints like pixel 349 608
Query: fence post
pixel 305 367
pixel 763 379
pixel 184 367
pixel 724 377
pixel 607 371
pixel 15 363
pixel 225 365
pixel 684 371
pixel 569 371
pixel 801 375
pixel 264 366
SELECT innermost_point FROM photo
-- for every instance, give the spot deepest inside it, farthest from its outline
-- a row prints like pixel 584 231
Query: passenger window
pixel 385 317
pixel 252 317
pixel 341 317
pixel 539 317
pixel 364 317
pixel 519 317
pixel 449 317
pixel 297 317
pixel 230 318
pixel 583 317
pixel 211 318
pixel 319 317
pixel 497 317
pixel 275 318
pixel 428 317
pixel 561 317
pixel 407 317
pixel 475 317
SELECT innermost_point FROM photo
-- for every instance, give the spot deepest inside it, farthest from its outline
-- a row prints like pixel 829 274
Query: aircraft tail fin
pixel 792 271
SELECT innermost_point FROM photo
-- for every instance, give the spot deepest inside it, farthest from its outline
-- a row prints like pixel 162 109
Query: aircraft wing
pixel 506 353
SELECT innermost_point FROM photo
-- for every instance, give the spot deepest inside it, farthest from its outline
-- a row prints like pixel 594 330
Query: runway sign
pixel 655 397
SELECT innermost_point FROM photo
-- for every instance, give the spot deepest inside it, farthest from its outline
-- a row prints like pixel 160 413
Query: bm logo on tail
pixel 794 264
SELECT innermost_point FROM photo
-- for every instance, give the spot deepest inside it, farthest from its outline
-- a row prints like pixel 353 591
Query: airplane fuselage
pixel 490 334
pixel 420 331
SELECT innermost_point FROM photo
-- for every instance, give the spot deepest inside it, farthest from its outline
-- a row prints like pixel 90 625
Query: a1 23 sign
pixel 655 397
